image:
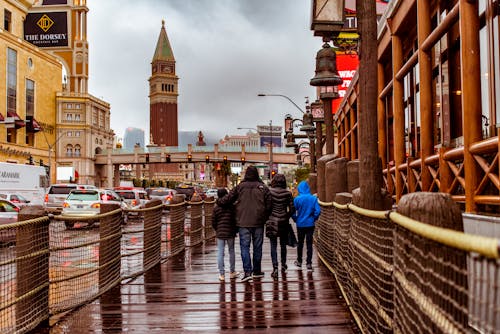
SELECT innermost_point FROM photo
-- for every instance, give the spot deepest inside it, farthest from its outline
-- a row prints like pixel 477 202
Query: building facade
pixel 82 121
pixel 30 81
pixel 438 101
pixel 133 137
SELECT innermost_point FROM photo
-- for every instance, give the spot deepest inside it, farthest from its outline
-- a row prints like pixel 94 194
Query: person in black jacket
pixel 253 207
pixel 278 224
pixel 224 224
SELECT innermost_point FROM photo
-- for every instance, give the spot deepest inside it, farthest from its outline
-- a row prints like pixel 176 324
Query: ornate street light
pixel 328 17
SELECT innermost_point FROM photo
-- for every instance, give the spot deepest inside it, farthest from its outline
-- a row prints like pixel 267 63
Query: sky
pixel 226 51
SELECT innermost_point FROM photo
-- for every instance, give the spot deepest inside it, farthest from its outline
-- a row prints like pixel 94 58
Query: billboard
pixel 347 65
pixel 49 29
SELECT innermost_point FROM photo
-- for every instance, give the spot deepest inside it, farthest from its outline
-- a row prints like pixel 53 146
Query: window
pixel 7 20
pixel 69 117
pixel 69 106
pixel 69 134
pixel 30 110
pixel 69 150
pixel 77 134
pixel 11 90
pixel 77 151
pixel 78 106
pixel 77 117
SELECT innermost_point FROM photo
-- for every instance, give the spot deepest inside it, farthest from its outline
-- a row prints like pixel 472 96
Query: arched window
pixel 78 150
pixel 69 150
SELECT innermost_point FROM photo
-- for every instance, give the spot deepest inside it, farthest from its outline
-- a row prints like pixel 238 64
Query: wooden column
pixel 399 118
pixel 426 111
pixel 381 118
pixel 471 95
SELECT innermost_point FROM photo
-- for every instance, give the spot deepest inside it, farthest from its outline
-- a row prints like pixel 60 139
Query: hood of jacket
pixel 251 174
pixel 303 188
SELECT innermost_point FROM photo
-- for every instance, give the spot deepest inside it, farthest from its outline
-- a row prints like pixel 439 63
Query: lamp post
pixel 254 129
pixel 51 146
pixel 286 97
pixel 271 151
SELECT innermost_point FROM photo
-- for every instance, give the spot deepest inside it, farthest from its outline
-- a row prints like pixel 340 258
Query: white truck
pixel 27 180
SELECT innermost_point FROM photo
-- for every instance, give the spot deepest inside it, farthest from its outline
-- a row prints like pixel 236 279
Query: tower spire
pixel 163 49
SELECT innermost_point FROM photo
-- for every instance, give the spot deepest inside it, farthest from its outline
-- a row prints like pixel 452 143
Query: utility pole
pixel 271 151
pixel 370 169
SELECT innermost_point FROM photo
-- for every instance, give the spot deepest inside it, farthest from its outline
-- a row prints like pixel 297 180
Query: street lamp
pixel 286 97
pixel 254 129
pixel 51 146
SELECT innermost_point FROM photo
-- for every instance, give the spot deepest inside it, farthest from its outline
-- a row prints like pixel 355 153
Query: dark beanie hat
pixel 251 174
pixel 221 192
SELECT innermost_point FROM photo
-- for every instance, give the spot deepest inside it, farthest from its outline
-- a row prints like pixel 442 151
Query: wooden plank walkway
pixel 183 295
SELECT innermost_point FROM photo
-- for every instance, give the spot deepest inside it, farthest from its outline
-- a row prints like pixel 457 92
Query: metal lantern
pixel 326 68
pixel 328 17
pixel 288 123
pixel 307 123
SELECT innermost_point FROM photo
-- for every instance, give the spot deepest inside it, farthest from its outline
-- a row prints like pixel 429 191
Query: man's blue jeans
pixel 254 235
pixel 221 244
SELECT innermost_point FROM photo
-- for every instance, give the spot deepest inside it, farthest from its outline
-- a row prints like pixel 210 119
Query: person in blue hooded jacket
pixel 307 211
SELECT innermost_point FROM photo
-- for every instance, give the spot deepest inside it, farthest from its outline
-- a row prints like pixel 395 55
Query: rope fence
pixel 47 268
pixel 400 275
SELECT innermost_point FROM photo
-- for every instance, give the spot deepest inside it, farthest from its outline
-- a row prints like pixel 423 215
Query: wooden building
pixel 438 101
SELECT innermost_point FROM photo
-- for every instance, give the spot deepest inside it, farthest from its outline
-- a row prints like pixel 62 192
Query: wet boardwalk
pixel 184 295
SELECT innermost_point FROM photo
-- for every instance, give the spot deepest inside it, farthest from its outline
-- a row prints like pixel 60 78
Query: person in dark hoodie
pixel 307 212
pixel 279 222
pixel 224 224
pixel 253 207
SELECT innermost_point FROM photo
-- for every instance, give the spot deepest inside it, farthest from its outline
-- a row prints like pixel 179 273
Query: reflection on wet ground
pixel 185 295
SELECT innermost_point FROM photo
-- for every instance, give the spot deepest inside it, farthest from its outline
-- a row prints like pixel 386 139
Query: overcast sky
pixel 226 51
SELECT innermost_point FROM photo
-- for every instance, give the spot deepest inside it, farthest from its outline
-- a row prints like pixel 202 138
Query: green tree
pixel 302 174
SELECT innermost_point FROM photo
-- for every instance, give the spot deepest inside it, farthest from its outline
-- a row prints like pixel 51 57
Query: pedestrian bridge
pixel 375 272
pixel 215 153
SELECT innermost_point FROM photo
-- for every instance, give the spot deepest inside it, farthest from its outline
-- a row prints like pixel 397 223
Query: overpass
pixel 215 153
pixel 108 161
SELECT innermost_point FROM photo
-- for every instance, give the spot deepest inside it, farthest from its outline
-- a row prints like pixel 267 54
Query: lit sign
pixel 347 66
pixel 46 29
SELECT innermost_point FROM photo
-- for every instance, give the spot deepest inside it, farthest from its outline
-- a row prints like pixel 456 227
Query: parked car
pixel 8 214
pixel 163 194
pixel 17 199
pixel 87 203
pixel 57 193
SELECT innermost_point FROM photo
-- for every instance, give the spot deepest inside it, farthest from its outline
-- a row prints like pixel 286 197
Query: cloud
pixel 226 53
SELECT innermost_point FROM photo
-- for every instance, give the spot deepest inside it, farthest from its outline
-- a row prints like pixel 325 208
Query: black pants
pixel 307 233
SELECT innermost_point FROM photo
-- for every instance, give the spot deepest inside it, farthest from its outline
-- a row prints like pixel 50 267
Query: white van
pixel 27 180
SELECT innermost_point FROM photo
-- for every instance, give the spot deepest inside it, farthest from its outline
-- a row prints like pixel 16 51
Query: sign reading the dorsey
pixel 46 29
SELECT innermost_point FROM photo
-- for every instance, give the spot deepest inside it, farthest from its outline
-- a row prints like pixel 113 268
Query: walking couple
pixel 246 209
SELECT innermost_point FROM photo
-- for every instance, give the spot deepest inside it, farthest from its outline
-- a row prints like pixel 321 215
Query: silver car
pixel 163 194
pixel 87 203
pixel 8 214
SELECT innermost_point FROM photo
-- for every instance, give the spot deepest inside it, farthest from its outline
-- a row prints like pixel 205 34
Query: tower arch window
pixel 69 150
pixel 78 150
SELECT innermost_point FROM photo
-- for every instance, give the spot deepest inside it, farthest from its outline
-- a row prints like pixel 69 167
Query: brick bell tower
pixel 163 94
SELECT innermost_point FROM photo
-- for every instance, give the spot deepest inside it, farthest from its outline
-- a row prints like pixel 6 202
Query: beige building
pixel 82 120
pixel 29 85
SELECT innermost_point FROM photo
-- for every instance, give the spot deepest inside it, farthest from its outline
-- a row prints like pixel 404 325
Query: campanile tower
pixel 163 93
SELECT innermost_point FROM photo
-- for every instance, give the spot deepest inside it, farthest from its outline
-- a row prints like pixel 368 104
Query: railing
pixel 400 275
pixel 46 269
